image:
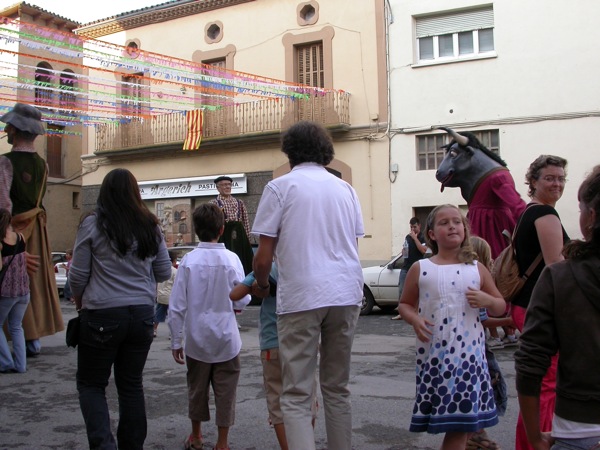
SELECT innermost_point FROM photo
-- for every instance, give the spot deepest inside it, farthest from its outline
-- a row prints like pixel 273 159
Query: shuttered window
pixel 455 35
pixel 54 154
pixel 455 22
pixel 310 64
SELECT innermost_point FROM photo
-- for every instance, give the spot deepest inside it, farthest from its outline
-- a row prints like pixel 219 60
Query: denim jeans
pixel 119 338
pixel 592 443
pixel 401 281
pixel 13 309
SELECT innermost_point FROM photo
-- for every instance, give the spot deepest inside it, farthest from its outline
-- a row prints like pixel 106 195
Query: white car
pixel 60 273
pixel 381 286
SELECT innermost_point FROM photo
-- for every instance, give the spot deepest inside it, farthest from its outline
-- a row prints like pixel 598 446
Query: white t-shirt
pixel 317 219
pixel 200 304
pixel 568 429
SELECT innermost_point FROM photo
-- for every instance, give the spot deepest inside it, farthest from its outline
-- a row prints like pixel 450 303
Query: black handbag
pixel 72 336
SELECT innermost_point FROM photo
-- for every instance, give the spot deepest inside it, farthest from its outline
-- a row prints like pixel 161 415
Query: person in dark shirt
pixel 414 249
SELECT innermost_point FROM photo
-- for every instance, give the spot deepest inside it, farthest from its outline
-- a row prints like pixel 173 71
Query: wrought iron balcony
pixel 243 119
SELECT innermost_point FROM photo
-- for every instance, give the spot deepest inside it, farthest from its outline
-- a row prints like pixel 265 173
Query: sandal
pixel 481 441
pixel 193 443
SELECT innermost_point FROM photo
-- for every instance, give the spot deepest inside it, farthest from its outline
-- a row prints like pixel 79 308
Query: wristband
pixel 263 288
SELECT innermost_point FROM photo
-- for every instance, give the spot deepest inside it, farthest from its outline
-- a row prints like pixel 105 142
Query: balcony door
pixel 311 72
pixel 133 109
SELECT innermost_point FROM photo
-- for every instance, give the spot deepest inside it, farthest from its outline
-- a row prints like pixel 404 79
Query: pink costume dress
pixel 495 205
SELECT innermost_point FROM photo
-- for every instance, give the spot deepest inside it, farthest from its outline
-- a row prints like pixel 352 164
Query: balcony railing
pixel 240 120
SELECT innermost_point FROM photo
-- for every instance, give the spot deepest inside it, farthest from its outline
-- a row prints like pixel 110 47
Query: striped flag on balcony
pixel 194 129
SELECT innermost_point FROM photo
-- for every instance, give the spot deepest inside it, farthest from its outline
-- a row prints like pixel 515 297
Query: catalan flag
pixel 194 121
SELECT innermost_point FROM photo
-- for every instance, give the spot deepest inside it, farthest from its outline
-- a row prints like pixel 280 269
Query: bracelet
pixel 263 288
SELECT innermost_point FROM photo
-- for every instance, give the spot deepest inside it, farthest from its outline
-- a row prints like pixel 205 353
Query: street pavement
pixel 40 410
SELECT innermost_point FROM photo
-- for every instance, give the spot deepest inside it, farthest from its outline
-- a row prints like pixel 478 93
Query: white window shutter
pixel 455 22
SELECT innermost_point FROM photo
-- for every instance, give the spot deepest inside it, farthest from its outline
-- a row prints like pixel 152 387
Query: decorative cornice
pixel 38 13
pixel 153 14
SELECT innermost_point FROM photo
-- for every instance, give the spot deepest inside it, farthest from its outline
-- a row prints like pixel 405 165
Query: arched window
pixel 67 99
pixel 43 81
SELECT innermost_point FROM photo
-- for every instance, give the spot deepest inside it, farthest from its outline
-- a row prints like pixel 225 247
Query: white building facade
pixel 520 74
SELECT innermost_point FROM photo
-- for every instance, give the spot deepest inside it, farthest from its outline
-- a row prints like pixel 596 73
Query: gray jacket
pixel 106 280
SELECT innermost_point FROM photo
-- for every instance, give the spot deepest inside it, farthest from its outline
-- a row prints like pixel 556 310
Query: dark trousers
pixel 118 337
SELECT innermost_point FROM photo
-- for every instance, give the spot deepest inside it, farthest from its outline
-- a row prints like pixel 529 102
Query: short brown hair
pixel 533 172
pixel 208 220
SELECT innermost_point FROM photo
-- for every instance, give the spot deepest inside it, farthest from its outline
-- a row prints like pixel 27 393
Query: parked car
pixel 60 273
pixel 59 257
pixel 181 250
pixel 381 286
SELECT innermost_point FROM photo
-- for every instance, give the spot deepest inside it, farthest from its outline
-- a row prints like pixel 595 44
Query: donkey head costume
pixel 486 185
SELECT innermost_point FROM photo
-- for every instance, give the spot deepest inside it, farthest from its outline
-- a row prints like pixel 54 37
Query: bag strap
pixel 42 187
pixel 537 259
pixel 533 266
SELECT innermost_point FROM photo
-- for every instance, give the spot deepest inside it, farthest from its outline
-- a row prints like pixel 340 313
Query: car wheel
pixel 367 302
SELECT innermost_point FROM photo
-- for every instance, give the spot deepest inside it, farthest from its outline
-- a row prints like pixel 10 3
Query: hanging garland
pixel 112 100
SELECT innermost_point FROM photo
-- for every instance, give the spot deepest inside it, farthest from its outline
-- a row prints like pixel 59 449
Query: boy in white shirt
pixel 200 305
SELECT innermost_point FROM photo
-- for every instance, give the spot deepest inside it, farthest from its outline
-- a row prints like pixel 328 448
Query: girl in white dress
pixel 441 300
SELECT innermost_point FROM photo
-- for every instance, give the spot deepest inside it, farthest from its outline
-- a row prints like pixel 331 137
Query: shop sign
pixel 189 187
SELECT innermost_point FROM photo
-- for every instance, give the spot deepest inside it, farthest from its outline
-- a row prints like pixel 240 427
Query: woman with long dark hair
pixel 563 317
pixel 119 256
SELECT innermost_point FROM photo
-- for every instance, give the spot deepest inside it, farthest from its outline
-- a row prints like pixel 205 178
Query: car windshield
pixel 181 251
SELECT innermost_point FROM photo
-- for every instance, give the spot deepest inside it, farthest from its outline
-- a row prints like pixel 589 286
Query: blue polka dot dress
pixel 454 392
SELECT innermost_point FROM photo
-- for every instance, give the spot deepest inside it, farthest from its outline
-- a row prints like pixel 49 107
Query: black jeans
pixel 118 337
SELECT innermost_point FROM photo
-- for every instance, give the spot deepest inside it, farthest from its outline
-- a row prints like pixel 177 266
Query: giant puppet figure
pixel 485 183
pixel 23 175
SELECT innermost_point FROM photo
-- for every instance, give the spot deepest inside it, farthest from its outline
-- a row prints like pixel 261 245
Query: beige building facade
pixel 520 74
pixel 326 44
pixel 31 74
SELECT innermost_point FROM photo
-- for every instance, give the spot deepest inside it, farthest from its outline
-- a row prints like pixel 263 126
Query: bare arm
pixel 530 410
pixel 6 177
pixel 239 292
pixel 549 231
pixel 409 303
pixel 422 248
pixel 487 296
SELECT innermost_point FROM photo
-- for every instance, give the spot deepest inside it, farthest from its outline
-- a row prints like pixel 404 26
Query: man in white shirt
pixel 310 221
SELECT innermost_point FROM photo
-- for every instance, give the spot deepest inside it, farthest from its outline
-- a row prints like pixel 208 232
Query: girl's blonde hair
pixel 483 251
pixel 466 252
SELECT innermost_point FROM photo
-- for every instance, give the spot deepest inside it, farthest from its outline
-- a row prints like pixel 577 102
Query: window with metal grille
pixel 43 85
pixel 310 64
pixel 160 210
pixel 456 35
pixel 54 156
pixel 67 99
pixel 430 152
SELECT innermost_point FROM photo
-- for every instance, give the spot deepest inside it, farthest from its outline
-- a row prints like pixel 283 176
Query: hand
pixel 260 292
pixel 33 263
pixel 178 356
pixel 422 329
pixel 478 298
pixel 545 442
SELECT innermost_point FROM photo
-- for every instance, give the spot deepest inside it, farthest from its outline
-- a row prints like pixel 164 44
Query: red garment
pixel 547 392
pixel 495 205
